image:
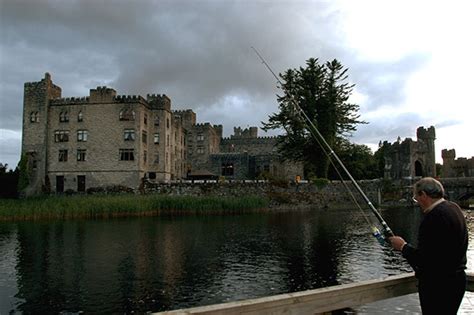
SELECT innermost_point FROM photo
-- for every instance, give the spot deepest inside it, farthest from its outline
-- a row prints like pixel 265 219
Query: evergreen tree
pixel 322 93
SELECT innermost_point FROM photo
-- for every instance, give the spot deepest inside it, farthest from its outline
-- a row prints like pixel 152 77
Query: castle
pixel 408 158
pixel 460 167
pixel 106 139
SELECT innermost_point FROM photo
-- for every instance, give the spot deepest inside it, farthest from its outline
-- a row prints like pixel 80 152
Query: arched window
pixel 127 114
pixel 34 117
pixel 418 169
pixel 64 116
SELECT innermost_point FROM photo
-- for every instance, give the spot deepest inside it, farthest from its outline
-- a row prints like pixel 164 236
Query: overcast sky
pixel 411 61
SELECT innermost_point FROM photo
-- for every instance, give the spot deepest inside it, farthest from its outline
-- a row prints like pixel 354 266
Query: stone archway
pixel 418 169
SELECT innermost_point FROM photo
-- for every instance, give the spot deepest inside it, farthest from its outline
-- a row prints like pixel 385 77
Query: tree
pixel 8 182
pixel 357 158
pixel 322 93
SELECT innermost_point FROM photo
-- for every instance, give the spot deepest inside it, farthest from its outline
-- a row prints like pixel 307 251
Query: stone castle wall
pixel 408 158
pixel 96 126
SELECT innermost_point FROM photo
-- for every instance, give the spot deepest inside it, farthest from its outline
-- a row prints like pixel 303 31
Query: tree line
pixel 8 181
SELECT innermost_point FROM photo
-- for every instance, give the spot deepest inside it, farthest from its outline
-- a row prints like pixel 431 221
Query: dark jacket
pixel 442 243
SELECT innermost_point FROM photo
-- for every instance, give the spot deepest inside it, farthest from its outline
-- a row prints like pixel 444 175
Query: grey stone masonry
pixel 100 140
pixel 408 158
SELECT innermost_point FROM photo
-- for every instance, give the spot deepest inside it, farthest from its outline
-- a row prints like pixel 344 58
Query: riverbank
pixel 129 205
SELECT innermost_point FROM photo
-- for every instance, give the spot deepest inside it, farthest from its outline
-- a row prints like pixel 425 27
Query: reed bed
pixel 109 206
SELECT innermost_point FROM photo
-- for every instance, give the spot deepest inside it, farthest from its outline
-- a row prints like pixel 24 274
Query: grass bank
pixel 110 206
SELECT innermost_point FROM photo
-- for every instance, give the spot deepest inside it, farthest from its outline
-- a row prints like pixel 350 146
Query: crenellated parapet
pixel 426 133
pixel 448 154
pixel 251 132
pixel 253 140
pixel 129 99
pixel 69 101
pixel 159 101
pixel 203 125
pixel 102 94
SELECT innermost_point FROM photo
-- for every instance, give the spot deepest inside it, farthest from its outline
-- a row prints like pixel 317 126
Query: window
pixel 129 135
pixel 144 136
pixel 151 175
pixel 167 123
pixel 127 114
pixel 144 156
pixel 157 120
pixel 168 140
pixel 145 119
pixel 157 159
pixel 126 155
pixel 80 117
pixel 34 117
pixel 200 137
pixel 227 169
pixel 62 155
pixel 61 136
pixel 82 135
pixel 63 116
pixel 156 138
pixel 200 150
pixel 81 155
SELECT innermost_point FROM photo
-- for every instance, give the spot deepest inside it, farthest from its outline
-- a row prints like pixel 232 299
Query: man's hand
pixel 397 242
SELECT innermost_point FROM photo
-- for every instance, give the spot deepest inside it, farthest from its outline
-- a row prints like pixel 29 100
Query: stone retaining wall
pixel 280 194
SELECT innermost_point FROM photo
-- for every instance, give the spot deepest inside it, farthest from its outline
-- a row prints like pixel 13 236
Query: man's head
pixel 426 191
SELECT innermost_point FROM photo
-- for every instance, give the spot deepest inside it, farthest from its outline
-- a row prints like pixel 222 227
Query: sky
pixel 411 61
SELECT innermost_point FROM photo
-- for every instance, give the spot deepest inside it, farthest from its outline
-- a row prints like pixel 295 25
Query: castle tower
pixel 426 138
pixel 36 99
pixel 448 162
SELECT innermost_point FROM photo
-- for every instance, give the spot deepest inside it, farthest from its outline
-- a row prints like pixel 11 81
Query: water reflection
pixel 154 264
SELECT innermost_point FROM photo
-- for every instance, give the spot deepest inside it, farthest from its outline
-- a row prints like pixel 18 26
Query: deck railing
pixel 318 301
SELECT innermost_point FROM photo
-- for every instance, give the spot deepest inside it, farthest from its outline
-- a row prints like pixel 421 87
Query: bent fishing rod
pixel 327 149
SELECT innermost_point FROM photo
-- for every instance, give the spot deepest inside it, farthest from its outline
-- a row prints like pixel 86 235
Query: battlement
pixel 203 125
pixel 129 99
pixel 448 154
pixel 250 140
pixel 429 133
pixel 102 94
pixel 69 101
pixel 251 132
pixel 159 101
pixel 47 78
pixel 183 111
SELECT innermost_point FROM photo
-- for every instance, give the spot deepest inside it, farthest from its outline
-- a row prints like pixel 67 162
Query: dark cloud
pixel 382 129
pixel 197 52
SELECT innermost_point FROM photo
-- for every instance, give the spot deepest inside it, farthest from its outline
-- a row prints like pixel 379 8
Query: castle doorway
pixel 59 184
pixel 418 169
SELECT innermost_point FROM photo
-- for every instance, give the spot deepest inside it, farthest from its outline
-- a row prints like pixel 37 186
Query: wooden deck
pixel 319 301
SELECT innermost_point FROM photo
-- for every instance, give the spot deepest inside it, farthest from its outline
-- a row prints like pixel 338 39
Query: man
pixel 439 260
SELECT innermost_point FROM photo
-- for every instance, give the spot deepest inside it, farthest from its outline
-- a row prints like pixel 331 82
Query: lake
pixel 163 263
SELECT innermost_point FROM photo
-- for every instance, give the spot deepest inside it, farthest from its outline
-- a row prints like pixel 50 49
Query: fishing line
pixel 329 152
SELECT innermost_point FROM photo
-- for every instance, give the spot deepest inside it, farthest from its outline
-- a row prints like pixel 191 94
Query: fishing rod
pixel 387 232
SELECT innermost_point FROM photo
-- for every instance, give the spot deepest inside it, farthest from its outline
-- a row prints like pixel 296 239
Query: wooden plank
pixel 314 301
pixel 317 301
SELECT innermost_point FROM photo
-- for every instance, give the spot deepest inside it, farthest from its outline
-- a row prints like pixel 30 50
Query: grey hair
pixel 430 186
